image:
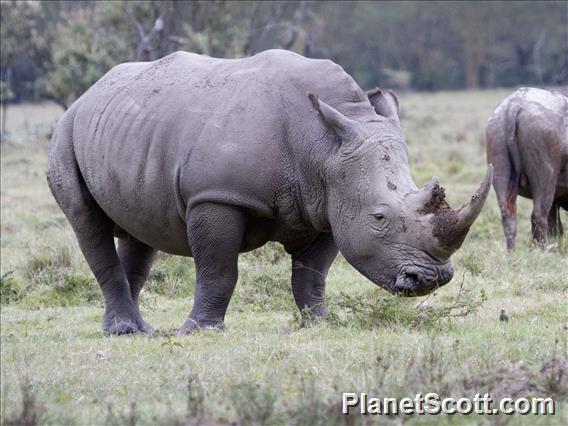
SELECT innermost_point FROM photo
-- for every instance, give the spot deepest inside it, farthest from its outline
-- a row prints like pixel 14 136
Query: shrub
pixel 394 310
pixel 10 289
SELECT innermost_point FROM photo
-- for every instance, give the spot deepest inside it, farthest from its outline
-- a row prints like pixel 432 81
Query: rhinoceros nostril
pixel 414 276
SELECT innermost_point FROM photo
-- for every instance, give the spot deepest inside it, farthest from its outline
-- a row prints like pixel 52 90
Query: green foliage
pixel 391 311
pixel 80 58
pixel 263 290
pixel 10 291
pixel 264 280
pixel 31 410
pixel 195 399
pixel 65 46
pixel 6 93
pixel 310 409
pixel 253 403
pixel 24 48
pixel 48 262
pixel 77 290
pixel 172 276
pixel 49 279
pixel 19 22
pixel 449 45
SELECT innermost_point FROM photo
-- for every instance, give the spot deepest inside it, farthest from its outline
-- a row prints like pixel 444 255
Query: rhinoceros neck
pixel 301 193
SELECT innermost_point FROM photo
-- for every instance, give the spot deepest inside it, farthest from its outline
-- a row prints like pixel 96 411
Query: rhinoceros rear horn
pixel 350 131
pixel 452 226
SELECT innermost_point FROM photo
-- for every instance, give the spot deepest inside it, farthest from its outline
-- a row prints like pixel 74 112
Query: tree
pixel 83 49
pixel 58 48
pixel 20 42
pixel 78 61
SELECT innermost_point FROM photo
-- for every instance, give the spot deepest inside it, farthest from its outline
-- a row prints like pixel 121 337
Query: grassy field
pixel 57 368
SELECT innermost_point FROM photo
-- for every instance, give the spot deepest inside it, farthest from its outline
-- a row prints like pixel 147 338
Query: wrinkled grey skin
pixel 527 141
pixel 210 158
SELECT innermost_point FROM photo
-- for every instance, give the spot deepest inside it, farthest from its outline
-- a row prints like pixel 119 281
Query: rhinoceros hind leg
pixel 136 258
pixel 215 234
pixel 506 188
pixel 310 265
pixel 554 223
pixel 542 208
pixel 94 232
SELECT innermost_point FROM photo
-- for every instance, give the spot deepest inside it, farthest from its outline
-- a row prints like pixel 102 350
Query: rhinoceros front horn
pixel 451 226
pixel 468 213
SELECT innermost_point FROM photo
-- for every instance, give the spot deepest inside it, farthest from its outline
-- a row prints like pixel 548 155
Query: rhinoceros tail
pixel 511 142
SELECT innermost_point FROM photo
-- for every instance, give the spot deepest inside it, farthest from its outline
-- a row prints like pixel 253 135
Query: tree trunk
pixel 4 110
pixel 3 119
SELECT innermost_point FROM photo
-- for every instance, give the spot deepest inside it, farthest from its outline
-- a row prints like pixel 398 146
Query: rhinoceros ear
pixel 385 104
pixel 350 131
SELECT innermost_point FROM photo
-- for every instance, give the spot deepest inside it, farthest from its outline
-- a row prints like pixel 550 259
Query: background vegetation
pixel 57 368
pixel 57 49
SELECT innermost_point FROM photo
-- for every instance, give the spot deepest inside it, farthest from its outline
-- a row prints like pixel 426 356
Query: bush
pixel 10 290
pixel 394 310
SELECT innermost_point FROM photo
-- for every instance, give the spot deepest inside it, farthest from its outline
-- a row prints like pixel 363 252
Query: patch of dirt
pixel 516 381
pixel 443 219
pixel 437 202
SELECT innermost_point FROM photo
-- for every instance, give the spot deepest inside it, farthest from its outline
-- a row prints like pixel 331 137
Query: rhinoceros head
pixel 398 236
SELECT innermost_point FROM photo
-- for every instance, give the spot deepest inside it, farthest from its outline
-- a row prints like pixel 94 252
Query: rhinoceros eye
pixel 379 222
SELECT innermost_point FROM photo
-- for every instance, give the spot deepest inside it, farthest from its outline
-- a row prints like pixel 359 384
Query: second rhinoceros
pixel 209 158
pixel 527 141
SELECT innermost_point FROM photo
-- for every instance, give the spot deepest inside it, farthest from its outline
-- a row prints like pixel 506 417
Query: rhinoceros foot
pixel 311 316
pixel 191 326
pixel 125 322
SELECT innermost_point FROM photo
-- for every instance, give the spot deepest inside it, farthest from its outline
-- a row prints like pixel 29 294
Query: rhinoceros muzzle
pixel 414 281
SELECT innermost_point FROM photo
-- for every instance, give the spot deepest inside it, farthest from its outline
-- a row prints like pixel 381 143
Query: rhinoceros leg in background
pixel 215 234
pixel 505 184
pixel 554 223
pixel 310 265
pixel 543 200
pixel 136 258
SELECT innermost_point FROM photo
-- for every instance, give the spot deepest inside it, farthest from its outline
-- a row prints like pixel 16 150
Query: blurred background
pixel 56 49
pixel 450 63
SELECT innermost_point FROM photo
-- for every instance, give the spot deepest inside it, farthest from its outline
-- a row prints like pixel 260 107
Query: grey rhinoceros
pixel 209 158
pixel 527 141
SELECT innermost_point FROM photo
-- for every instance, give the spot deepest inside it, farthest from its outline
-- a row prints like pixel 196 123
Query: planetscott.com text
pixel 433 404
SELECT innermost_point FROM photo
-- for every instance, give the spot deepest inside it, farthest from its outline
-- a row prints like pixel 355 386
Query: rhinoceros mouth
pixel 415 281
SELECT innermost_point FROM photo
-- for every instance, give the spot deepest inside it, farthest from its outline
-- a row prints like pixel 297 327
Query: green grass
pixel 58 368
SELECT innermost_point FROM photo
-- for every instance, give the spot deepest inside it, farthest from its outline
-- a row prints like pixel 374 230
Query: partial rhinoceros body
pixel 208 158
pixel 527 141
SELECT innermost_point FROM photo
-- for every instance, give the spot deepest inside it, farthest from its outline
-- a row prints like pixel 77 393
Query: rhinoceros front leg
pixel 310 265
pixel 215 234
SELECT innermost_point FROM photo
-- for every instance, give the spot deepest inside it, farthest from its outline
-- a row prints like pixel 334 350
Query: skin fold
pixel 527 141
pixel 209 158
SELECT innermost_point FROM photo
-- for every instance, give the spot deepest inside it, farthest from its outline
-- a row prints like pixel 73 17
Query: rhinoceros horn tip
pixel 466 215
